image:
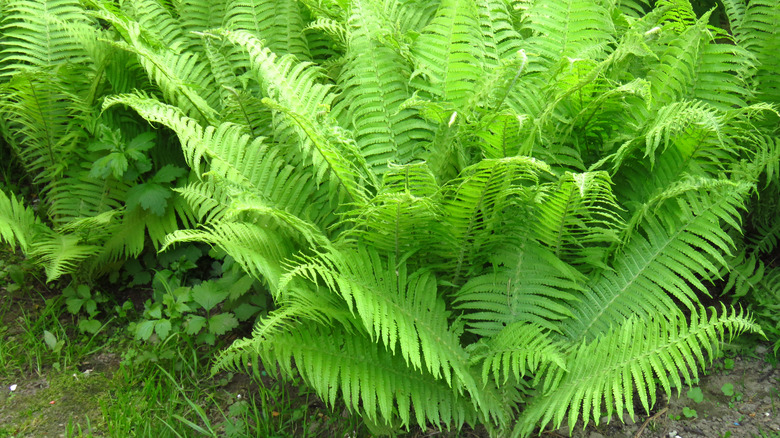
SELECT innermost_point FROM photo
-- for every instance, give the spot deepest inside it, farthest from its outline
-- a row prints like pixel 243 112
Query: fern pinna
pixel 466 212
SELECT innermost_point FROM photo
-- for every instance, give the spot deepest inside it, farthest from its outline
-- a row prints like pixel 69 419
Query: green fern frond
pixel 182 77
pixel 662 264
pixel 603 374
pixel 529 284
pixel 208 199
pixel 17 222
pixel 446 54
pixel 633 8
pixel 678 14
pixel 579 215
pixel 202 15
pixel 35 35
pixel 395 223
pixel 415 179
pixel 76 195
pixel 720 76
pixel 259 250
pixel 694 66
pixel 333 28
pixel 767 235
pixel 735 12
pixel 336 156
pixel 684 139
pixel 570 28
pixel 519 350
pixel 745 276
pixel 244 108
pixel 499 37
pixel 756 30
pixel 502 137
pixel 370 379
pixel 41 112
pixel 400 309
pixel 279 23
pixel 152 15
pixel 374 80
pixel 475 204
pixel 250 165
pixel 295 85
pixel 60 254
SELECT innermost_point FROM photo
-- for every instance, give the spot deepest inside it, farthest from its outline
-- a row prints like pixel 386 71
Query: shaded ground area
pixel 68 384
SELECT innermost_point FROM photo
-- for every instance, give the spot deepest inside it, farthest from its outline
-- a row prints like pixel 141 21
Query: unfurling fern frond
pixel 602 374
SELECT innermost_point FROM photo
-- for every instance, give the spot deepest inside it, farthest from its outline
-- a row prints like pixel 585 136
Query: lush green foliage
pixel 491 211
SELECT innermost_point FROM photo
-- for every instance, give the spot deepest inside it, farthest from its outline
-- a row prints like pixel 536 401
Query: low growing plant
pixel 490 212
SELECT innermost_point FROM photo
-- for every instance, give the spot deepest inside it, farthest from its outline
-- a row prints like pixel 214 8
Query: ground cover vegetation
pixel 516 214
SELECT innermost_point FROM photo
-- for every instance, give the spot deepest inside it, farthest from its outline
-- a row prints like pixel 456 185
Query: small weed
pixel 690 413
pixel 696 395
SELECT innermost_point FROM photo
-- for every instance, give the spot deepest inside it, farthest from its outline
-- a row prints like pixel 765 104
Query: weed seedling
pixel 696 395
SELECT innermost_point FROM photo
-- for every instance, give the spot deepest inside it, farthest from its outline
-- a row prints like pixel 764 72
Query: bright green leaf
pixel 162 328
pixel 208 295
pixel 149 196
pixel 144 330
pixel 195 324
pixel 696 395
pixel 222 323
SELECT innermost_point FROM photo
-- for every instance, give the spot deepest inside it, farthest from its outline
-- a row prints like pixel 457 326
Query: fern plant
pixel 487 212
pixel 103 179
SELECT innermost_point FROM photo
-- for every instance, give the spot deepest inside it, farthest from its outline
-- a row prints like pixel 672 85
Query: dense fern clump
pixel 495 212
